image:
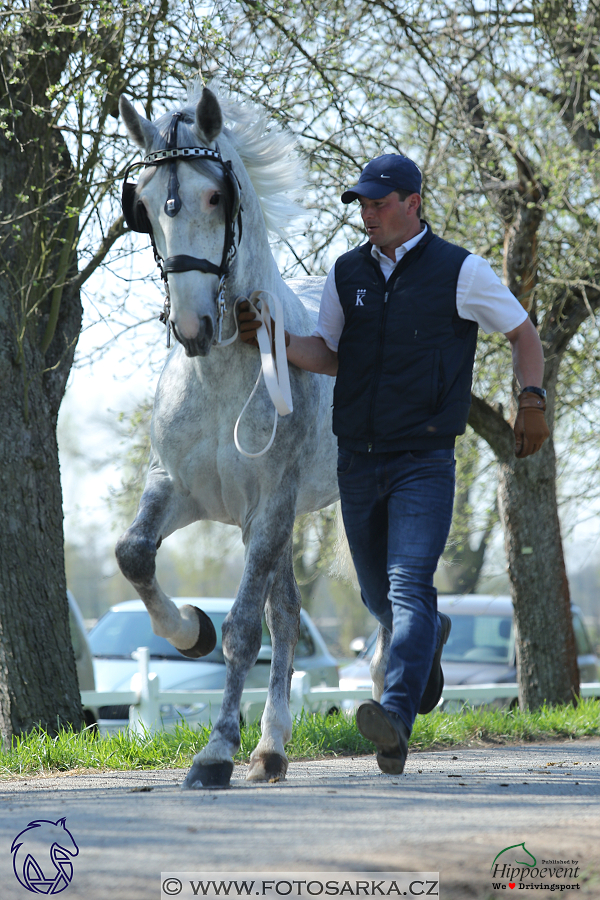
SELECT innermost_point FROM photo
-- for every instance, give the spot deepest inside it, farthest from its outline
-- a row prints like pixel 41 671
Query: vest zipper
pixel 371 427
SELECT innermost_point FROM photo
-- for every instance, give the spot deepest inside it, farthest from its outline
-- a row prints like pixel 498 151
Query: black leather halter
pixel 137 219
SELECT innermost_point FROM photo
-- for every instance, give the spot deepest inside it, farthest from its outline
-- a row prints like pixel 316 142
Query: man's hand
pixel 530 426
pixel 249 325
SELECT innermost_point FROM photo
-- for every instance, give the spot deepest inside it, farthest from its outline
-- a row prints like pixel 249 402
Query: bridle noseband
pixel 137 219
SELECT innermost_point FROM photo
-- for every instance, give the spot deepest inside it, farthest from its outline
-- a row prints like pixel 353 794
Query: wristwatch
pixel 534 390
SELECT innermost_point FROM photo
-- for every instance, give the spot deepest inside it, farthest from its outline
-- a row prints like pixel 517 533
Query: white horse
pixel 190 204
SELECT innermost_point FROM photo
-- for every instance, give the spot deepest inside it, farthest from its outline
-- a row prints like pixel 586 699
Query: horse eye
pixel 214 200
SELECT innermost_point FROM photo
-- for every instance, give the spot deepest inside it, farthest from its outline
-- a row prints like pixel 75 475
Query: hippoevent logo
pixel 50 870
pixel 515 868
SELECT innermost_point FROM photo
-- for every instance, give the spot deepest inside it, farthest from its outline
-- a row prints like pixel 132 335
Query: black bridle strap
pixel 173 202
pixel 182 263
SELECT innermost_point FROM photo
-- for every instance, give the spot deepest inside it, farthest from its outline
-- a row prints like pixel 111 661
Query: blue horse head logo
pixel 51 870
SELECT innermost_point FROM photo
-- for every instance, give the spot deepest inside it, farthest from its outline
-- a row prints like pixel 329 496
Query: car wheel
pixel 90 721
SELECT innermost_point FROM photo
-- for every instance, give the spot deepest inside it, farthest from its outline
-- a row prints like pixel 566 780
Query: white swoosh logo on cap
pixel 384 176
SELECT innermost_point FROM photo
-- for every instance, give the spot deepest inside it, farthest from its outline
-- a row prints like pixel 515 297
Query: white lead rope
pixel 273 367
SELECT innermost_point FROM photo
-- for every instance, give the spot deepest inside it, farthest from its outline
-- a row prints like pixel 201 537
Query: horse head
pixel 188 197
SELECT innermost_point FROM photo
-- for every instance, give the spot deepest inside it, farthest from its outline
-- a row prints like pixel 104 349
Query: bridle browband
pixel 137 219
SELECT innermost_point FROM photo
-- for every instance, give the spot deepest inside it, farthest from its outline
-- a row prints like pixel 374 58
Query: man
pixel 398 327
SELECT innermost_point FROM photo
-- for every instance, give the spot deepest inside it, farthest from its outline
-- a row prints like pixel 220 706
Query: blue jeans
pixel 397 510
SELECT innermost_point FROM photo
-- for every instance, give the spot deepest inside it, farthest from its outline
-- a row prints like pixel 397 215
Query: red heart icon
pixel 511 886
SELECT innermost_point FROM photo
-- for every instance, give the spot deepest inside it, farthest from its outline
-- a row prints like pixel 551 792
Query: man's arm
pixel 313 354
pixel 530 425
pixel 309 353
pixel 527 354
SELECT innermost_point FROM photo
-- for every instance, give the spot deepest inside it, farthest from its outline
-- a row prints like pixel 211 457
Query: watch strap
pixel 531 389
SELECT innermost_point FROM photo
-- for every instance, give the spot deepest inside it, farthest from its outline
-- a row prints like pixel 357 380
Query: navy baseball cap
pixel 387 173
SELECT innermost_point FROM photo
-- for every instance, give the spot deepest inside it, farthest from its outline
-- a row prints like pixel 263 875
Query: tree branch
pixel 575 46
pixel 489 423
pixel 116 230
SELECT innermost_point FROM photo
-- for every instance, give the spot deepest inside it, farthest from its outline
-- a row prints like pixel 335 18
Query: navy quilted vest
pixel 405 355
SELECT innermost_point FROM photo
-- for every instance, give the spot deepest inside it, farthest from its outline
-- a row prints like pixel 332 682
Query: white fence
pixel 145 697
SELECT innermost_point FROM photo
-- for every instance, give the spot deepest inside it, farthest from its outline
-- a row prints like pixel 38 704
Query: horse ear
pixel 209 119
pixel 140 129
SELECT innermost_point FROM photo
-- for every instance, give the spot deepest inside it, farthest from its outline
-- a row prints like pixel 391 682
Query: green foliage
pixel 314 737
pixel 315 536
pixel 474 519
pixel 133 455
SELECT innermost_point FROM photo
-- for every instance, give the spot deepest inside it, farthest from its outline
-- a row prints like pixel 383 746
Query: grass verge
pixel 314 737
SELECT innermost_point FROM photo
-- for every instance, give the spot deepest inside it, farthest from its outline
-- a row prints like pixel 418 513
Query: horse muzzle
pixel 201 343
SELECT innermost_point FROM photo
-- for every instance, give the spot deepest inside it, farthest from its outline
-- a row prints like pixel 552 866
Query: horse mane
pixel 266 150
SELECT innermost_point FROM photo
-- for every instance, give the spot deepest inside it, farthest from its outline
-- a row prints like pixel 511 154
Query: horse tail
pixel 342 566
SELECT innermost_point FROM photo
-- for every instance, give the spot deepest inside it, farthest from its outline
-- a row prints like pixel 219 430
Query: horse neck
pixel 254 267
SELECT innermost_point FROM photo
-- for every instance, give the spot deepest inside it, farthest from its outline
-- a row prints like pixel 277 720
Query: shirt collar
pixel 401 250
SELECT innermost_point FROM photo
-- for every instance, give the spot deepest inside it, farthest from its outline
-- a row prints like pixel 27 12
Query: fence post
pixel 144 717
pixel 299 693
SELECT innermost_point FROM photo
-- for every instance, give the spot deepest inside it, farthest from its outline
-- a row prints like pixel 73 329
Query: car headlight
pixel 176 710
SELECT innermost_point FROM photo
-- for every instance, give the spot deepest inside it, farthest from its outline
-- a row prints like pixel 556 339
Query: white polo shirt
pixel 480 296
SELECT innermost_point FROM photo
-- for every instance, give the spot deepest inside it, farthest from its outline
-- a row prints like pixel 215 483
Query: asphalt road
pixel 451 812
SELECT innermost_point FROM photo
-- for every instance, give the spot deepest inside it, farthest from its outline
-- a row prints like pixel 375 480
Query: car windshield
pixel 475 639
pixel 119 633
pixel 480 639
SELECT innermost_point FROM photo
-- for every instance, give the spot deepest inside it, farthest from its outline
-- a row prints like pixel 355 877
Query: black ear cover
pixel 133 210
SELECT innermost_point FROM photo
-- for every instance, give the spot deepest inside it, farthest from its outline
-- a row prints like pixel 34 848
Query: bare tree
pixel 498 104
pixel 474 519
pixel 62 68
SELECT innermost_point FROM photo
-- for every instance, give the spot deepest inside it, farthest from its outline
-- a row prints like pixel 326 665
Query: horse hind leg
pixel 380 660
pixel 268 760
pixel 161 512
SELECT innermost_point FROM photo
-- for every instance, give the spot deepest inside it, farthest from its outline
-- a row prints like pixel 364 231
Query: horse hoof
pixel 207 636
pixel 268 767
pixel 208 775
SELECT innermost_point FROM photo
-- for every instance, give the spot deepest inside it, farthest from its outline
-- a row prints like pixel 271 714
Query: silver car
pixel 481 646
pixel 125 627
pixel 83 657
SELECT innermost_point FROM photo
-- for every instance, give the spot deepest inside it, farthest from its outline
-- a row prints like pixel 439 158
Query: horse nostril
pixel 206 329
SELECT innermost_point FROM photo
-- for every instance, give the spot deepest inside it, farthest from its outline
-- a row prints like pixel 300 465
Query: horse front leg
pixel 242 635
pixel 162 511
pixel 269 760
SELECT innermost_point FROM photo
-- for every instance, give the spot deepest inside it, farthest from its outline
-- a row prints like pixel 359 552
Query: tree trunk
pixel 40 319
pixel 38 678
pixel 546 652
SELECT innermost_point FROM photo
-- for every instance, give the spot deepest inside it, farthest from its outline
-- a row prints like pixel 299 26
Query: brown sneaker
pixel 387 731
